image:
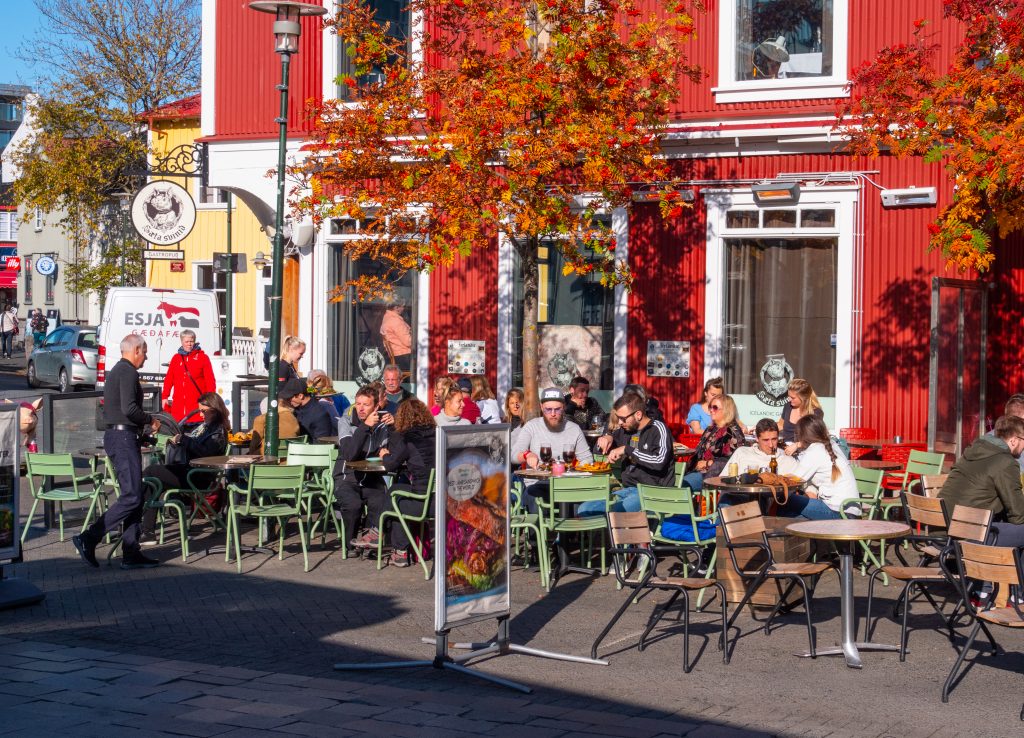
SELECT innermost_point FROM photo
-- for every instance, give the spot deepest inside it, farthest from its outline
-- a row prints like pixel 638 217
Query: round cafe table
pixel 765 493
pixel 847 533
pixel 222 465
pixel 877 464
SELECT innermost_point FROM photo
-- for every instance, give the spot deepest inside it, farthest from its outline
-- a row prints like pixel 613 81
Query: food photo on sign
pixel 475 514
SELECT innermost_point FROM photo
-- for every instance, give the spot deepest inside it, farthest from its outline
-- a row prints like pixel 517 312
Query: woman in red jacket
pixel 189 375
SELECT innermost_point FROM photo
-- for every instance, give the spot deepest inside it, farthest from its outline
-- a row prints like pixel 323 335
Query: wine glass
pixel 569 455
pixel 545 454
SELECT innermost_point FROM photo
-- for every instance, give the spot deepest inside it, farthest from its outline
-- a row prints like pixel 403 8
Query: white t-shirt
pixel 747 456
pixel 815 466
pixel 490 412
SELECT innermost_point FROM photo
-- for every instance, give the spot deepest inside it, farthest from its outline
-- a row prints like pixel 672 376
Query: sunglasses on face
pixel 552 410
pixel 714 408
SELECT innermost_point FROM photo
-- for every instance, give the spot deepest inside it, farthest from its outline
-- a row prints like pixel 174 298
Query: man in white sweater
pixel 551 431
pixel 760 455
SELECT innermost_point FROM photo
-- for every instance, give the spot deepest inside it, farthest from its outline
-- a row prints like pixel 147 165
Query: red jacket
pixel 181 390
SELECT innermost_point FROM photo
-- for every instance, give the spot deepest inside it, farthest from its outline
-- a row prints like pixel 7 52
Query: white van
pixel 159 316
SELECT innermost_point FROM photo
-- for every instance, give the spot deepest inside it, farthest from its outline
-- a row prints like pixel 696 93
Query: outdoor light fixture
pixel 909 198
pixel 287 30
pixel 773 193
pixel 655 195
pixel 260 261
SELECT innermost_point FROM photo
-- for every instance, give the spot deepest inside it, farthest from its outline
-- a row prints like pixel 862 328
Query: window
pixel 87 339
pixel 26 268
pixel 368 334
pixel 5 138
pixel 782 50
pixel 212 196
pixel 38 220
pixel 207 279
pixel 8 225
pixel 10 111
pixel 49 283
pixel 393 12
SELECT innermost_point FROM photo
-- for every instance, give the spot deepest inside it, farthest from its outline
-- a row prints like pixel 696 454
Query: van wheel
pixel 63 384
pixel 33 380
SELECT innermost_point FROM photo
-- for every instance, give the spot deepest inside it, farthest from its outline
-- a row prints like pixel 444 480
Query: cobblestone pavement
pixel 196 649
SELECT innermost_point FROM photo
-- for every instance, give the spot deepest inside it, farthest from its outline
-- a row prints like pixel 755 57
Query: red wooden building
pixel 825 274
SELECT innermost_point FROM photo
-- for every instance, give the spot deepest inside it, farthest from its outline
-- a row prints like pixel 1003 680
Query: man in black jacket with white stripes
pixel 645 448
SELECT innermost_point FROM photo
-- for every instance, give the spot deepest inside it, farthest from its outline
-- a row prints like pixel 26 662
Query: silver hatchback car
pixel 66 358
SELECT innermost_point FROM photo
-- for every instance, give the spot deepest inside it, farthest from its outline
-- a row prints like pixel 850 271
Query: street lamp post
pixel 124 200
pixel 287 30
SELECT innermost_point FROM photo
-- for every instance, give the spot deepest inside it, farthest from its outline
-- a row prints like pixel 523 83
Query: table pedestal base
pixel 852 652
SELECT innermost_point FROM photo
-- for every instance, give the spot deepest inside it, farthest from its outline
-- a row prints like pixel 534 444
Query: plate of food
pixel 596 467
pixel 239 437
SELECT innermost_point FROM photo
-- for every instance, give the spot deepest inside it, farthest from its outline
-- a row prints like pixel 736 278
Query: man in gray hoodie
pixel 987 476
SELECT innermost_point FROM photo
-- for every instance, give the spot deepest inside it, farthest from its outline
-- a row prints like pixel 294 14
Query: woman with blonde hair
pixel 483 396
pixel 514 399
pixel 293 349
pixel 321 386
pixel 802 403
pixel 441 387
pixel 716 445
pixel 829 477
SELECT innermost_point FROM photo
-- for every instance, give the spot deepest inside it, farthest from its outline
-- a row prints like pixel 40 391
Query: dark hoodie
pixel 413 453
pixel 987 476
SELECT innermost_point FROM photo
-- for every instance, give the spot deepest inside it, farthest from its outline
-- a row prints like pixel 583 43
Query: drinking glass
pixel 569 455
pixel 545 454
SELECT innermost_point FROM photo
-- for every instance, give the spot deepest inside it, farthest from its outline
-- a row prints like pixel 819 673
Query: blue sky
pixel 20 21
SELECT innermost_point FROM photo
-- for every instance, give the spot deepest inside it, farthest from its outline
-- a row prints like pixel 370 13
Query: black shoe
pixel 138 561
pixel 87 552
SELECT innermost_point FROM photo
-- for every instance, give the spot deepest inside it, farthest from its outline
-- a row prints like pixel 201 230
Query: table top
pixel 373 467
pixel 231 462
pixel 680 450
pixel 546 473
pixel 876 442
pixel 848 530
pixel 101 453
pixel 750 489
pixel 876 464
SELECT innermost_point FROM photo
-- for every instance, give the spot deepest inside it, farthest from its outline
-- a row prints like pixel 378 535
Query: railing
pixel 252 350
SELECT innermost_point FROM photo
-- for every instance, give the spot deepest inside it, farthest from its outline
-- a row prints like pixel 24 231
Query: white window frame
pixel 8 227
pixel 200 205
pixel 196 267
pixel 729 90
pixel 38 220
pixel 844 200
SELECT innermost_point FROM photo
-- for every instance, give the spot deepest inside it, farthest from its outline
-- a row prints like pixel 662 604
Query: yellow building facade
pixel 173 126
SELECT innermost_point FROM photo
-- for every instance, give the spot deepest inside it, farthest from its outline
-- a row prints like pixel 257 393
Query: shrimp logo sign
pixel 163 213
pixel 775 376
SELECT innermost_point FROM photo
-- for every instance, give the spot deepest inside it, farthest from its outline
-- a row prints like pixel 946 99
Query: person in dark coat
pixel 314 420
pixel 356 490
pixel 410 454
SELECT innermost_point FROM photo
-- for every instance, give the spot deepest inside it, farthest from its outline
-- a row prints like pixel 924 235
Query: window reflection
pixel 780 39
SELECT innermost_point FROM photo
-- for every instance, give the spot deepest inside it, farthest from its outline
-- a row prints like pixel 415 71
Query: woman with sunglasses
pixel 718 443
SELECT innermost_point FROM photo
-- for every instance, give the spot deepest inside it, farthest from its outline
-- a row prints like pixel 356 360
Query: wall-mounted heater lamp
pixel 774 193
pixel 654 195
pixel 910 197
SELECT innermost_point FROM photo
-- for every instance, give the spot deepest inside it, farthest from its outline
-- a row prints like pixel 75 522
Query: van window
pixel 87 340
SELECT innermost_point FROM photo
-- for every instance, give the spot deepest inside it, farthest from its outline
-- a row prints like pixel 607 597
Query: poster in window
pixel 471 511
pixel 668 358
pixel 567 351
pixel 9 446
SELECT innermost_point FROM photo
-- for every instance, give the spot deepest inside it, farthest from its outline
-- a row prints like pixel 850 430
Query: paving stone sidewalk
pixel 196 649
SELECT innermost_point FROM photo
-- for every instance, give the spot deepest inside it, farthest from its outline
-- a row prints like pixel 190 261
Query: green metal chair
pixel 919 463
pixel 566 492
pixel 319 458
pixel 157 499
pixel 272 492
pixel 421 516
pixel 869 496
pixel 41 467
pixel 526 521
pixel 661 503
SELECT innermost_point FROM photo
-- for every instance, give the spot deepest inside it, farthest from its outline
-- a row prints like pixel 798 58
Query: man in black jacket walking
pixel 125 418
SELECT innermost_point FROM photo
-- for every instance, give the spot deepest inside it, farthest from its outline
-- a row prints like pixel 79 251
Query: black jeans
pixel 6 342
pixel 123 449
pixel 352 493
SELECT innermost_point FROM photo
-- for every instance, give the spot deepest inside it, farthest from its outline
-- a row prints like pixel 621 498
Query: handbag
pixel 779 484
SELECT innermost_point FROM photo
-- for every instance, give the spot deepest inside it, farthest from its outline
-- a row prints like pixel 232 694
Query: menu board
pixel 472 516
pixel 466 357
pixel 668 358
pixel 10 533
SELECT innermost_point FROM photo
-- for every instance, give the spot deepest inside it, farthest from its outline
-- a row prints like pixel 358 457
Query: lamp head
pixel 259 261
pixel 286 21
pixel 775 50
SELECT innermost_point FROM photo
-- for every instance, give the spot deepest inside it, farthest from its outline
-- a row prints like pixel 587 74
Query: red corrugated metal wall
pixel 464 306
pixel 248 71
pixel 667 302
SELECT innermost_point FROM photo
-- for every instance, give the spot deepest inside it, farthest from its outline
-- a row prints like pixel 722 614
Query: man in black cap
pixel 126 420
pixel 470 410
pixel 314 420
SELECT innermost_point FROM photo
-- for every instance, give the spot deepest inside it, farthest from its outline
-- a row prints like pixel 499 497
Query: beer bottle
pixel 773 465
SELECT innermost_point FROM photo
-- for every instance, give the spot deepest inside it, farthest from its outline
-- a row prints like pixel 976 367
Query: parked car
pixel 66 358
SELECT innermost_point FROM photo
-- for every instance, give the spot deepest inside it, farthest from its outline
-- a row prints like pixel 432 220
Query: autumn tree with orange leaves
pixel 527 119
pixel 968 117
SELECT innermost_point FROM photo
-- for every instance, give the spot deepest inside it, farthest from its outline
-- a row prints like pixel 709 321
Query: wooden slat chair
pixel 928 485
pixel 421 516
pixel 859 434
pixel 869 492
pixel 742 526
pixel 1000 566
pixel 631 540
pixel 663 503
pixel 966 523
pixel 65 487
pixel 272 492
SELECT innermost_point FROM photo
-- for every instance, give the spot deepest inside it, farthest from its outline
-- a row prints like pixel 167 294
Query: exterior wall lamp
pixel 774 193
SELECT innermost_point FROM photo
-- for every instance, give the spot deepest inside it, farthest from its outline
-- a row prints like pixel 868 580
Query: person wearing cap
pixel 287 427
pixel 470 410
pixel 314 420
pixel 553 431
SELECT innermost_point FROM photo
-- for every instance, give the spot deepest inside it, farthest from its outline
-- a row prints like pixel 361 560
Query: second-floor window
pixel 212 196
pixel 10 111
pixel 8 225
pixel 782 49
pixel 393 12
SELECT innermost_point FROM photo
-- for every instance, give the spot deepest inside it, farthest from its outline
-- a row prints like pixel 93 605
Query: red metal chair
pixel 900 453
pixel 859 434
pixel 688 439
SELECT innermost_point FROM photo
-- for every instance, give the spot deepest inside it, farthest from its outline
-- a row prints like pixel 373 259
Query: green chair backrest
pixel 312 455
pixel 680 472
pixel 49 465
pixel 925 462
pixel 666 501
pixel 276 477
pixel 869 481
pixel 571 490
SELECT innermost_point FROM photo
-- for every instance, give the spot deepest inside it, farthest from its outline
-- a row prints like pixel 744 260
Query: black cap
pixel 466 384
pixel 292 388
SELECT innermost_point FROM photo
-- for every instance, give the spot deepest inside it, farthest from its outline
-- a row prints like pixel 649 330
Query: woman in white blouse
pixel 827 473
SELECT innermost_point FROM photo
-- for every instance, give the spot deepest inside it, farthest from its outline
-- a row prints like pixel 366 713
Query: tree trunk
pixel 528 263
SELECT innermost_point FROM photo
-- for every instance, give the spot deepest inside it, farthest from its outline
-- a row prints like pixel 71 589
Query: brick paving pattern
pixel 195 649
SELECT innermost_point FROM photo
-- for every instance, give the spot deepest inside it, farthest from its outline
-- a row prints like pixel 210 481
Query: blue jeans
pixel 6 342
pixel 694 480
pixel 809 507
pixel 624 500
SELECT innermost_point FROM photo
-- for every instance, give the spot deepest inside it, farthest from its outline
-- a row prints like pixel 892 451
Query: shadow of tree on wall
pixel 896 343
pixel 1005 325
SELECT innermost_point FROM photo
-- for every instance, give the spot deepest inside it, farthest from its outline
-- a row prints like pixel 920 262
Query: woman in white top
pixel 827 472
pixel 484 398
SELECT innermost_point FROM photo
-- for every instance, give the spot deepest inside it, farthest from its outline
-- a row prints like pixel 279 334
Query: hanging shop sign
pixel 13 263
pixel 163 213
pixel 46 265
pixel 163 255
pixel 466 357
pixel 668 358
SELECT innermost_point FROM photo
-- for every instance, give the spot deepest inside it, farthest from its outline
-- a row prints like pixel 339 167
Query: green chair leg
pixel 28 523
